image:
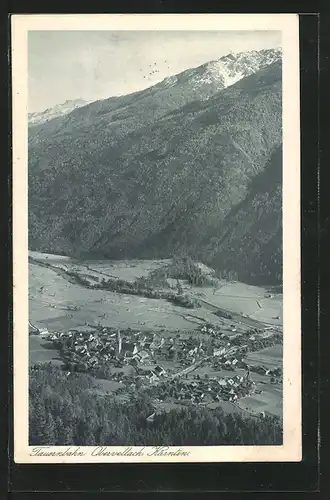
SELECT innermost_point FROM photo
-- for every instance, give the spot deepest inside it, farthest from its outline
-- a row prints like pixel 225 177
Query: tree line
pixel 66 409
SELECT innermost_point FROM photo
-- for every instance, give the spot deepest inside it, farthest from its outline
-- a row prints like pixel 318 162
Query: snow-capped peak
pixel 231 68
pixel 58 110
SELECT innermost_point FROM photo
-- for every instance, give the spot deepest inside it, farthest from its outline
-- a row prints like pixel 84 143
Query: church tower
pixel 119 343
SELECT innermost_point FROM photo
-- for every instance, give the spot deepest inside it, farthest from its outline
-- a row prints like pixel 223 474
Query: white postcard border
pixel 291 450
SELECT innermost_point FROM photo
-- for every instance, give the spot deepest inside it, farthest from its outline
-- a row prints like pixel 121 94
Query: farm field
pixel 127 270
pixel 41 351
pixel 269 357
pixel 269 401
pixel 246 300
pixel 104 387
pixel 62 305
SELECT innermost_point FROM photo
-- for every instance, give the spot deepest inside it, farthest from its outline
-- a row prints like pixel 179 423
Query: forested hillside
pixel 64 411
pixel 143 176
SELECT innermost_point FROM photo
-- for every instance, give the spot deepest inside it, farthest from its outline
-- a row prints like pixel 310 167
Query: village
pixel 225 351
pixel 199 367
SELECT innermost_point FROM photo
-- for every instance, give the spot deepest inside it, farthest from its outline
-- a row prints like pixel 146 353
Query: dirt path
pixel 190 368
pixel 97 271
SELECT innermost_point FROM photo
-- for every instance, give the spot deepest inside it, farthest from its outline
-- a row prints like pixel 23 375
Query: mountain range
pixel 58 110
pixel 191 165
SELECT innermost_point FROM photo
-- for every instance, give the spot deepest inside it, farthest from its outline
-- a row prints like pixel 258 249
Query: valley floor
pixel 60 304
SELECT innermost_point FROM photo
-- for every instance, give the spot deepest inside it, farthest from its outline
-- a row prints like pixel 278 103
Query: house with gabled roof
pixel 141 355
pixel 159 370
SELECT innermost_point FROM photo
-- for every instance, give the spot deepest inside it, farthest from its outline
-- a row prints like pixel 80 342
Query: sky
pixel 92 65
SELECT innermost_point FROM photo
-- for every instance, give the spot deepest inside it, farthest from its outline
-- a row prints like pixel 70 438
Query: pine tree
pixel 64 433
pixel 49 431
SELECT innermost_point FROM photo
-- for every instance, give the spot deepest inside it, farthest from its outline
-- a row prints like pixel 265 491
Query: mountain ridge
pixel 165 185
pixel 40 117
pixel 208 82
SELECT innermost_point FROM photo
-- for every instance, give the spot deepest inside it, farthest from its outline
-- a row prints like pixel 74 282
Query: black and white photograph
pixel 158 264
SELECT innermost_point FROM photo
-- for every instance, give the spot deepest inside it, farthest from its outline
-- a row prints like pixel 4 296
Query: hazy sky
pixel 93 65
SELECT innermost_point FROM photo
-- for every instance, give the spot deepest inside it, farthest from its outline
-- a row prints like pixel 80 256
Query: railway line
pixel 234 316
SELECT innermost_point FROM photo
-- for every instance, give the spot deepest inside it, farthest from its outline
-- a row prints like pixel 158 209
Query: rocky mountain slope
pixel 165 172
pixel 121 115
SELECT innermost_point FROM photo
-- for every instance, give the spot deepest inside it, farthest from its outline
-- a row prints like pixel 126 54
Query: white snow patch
pixel 56 111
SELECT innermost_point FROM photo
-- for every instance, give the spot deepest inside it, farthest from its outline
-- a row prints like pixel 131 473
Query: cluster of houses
pixel 184 349
pixel 148 375
pixel 204 390
pixel 90 349
pixel 275 373
pixel 242 334
pixel 100 350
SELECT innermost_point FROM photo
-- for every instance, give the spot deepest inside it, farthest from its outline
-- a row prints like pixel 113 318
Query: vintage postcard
pixel 156 238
